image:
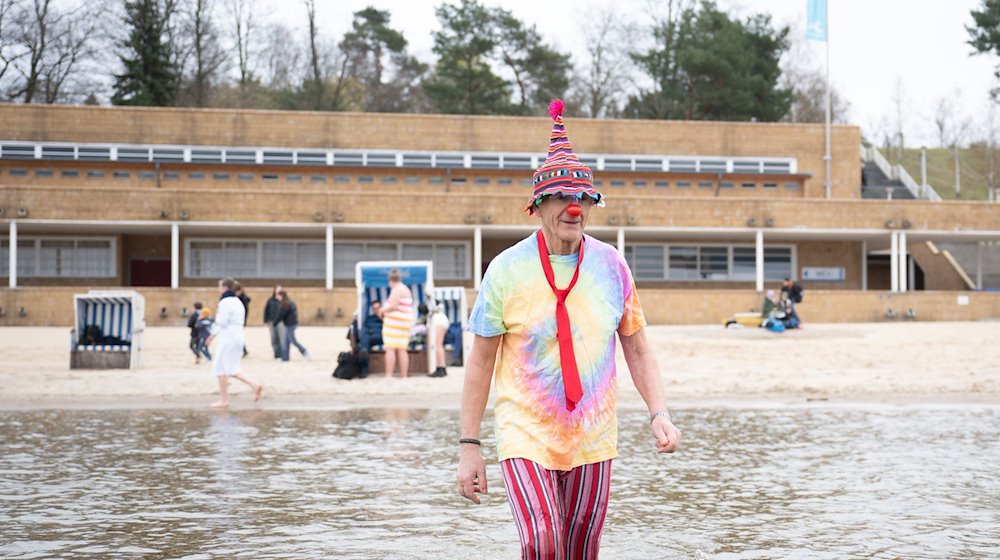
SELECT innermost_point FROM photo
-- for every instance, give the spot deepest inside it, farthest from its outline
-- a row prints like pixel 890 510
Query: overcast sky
pixel 874 44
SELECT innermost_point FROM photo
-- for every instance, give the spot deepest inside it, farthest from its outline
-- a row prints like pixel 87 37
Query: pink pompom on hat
pixel 562 171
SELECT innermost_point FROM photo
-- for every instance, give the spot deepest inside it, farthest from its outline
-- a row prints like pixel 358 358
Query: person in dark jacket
pixel 271 310
pixel 289 316
pixel 245 300
pixel 194 344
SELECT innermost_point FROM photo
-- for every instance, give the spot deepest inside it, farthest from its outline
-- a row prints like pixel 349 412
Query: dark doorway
pixel 149 272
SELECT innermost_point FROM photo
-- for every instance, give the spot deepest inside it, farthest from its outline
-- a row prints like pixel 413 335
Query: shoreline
pixel 871 364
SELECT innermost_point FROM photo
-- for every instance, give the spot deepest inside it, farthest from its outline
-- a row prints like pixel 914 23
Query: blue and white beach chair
pixel 452 300
pixel 107 332
pixel 372 281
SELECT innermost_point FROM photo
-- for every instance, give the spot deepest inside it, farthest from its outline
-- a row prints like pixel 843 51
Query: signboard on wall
pixel 821 274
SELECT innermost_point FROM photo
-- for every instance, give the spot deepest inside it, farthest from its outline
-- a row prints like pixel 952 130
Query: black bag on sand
pixel 347 366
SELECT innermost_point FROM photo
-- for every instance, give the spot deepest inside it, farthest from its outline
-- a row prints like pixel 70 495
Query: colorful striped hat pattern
pixel 562 171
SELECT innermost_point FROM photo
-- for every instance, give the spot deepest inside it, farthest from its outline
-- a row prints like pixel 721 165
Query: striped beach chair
pixel 452 299
pixel 372 281
pixel 108 328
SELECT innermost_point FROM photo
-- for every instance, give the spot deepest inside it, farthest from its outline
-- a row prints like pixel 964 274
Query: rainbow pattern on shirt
pixel 515 301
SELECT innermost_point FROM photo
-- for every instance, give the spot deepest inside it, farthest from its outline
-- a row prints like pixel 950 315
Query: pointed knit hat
pixel 562 171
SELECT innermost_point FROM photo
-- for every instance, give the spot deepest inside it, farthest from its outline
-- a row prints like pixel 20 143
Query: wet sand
pixel 843 363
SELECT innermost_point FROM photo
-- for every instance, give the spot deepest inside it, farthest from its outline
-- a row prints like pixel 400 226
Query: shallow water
pixel 903 482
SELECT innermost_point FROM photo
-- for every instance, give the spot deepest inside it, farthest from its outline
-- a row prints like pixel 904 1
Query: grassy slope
pixel 941 170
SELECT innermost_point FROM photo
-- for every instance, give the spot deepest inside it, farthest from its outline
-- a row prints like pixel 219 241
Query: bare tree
pixel 316 84
pixel 608 37
pixel 206 56
pixel 899 111
pixel 48 46
pixel 952 131
pixel 802 73
pixel 10 51
pixel 243 16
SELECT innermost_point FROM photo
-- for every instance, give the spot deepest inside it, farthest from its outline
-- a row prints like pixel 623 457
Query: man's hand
pixel 471 473
pixel 667 436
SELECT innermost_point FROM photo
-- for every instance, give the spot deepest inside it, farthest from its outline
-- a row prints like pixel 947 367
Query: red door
pixel 149 272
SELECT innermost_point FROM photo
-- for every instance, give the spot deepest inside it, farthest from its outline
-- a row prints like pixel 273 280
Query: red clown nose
pixel 574 210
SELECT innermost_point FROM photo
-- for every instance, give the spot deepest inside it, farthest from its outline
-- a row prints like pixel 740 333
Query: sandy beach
pixel 878 363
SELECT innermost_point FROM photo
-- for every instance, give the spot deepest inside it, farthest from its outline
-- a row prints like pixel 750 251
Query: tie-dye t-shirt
pixel 515 301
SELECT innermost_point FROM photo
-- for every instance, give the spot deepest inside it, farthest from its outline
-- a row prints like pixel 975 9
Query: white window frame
pixel 730 246
pixel 466 246
pixel 112 272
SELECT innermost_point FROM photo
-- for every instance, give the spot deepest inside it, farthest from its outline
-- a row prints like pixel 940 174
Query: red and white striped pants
pixel 559 514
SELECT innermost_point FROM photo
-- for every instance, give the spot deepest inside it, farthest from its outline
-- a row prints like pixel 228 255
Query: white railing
pixel 899 173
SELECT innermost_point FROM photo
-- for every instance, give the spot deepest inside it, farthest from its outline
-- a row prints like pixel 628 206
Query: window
pixel 791 186
pixel 639 184
pixel 412 180
pixel 220 176
pixel 714 263
pixel 482 181
pixel 389 180
pixel 749 185
pixel 256 259
pixel 704 184
pixel 317 179
pixel 366 179
pixel 505 182
pixel 18 172
pixel 662 184
pixel 525 182
pixel 61 257
pixel 683 184
pixel 726 185
pixel 70 173
pixel 770 186
pixel 683 263
pixel 269 177
pixel 147 175
pixel 121 174
pixel 245 177
pixel 171 175
pixel 196 175
pixel 458 180
pixel 450 258
pixel 645 261
pixel 708 262
pixel 341 179
pixel 293 178
pixel 617 183
pixel 43 173
pixel 94 174
pixel 435 180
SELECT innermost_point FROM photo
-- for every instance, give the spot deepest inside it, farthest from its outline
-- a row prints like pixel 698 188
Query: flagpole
pixel 827 158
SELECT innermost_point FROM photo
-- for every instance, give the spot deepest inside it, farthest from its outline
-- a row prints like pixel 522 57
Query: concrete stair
pixel 878 186
pixel 965 255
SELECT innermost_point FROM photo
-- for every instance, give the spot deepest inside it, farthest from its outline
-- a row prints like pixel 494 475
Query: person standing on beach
pixel 229 321
pixel 545 323
pixel 397 320
pixel 194 343
pixel 271 310
pixel 288 315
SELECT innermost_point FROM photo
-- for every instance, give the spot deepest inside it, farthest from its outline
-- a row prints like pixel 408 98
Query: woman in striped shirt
pixel 397 320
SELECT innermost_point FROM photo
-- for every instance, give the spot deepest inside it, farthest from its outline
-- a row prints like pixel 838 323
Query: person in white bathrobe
pixel 229 319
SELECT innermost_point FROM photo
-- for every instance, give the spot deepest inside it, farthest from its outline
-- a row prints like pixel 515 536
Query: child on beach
pixel 204 330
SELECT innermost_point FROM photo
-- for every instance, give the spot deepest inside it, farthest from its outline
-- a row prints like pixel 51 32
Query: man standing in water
pixel 552 304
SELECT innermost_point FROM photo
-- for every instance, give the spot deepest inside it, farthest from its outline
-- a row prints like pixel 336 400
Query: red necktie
pixel 567 359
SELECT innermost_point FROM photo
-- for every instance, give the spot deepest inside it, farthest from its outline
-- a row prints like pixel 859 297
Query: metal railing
pixel 898 172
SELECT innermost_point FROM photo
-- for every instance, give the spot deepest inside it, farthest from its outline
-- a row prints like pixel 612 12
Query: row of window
pixel 61 258
pixel 215 258
pixel 385 180
pixel 707 262
pixel 307 259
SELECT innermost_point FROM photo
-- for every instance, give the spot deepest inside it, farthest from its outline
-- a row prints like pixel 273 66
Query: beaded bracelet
pixel 472 441
pixel 662 413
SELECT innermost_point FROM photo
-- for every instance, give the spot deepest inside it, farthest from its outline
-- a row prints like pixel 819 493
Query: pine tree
pixel 150 77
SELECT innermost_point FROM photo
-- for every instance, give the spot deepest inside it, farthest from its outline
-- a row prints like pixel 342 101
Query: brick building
pixel 707 214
